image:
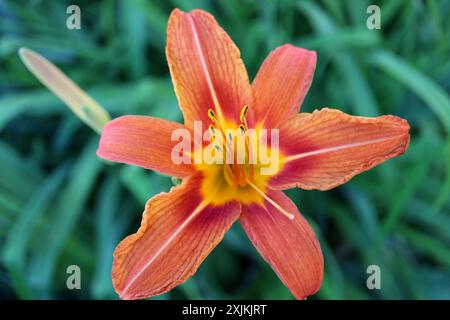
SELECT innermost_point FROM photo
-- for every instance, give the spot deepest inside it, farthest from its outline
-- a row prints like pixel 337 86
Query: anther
pixel 218 148
pixel 212 115
pixel 244 112
pixel 242 128
pixel 212 131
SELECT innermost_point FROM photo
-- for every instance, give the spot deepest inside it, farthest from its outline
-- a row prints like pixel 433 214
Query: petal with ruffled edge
pixel 328 147
pixel 282 83
pixel 289 246
pixel 177 233
pixel 206 68
pixel 145 142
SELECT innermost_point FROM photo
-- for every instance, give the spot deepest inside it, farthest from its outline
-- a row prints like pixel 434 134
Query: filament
pixel 273 203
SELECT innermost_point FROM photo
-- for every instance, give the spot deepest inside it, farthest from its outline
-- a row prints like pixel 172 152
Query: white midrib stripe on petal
pixel 337 148
pixel 205 68
pixel 164 246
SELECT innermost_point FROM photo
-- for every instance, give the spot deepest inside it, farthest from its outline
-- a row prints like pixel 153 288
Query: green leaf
pixel 433 95
pixel 64 216
pixel 108 231
pixel 411 182
pixel 14 254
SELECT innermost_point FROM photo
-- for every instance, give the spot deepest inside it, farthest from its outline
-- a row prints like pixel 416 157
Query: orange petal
pixel 177 233
pixel 328 147
pixel 282 83
pixel 142 141
pixel 206 68
pixel 289 246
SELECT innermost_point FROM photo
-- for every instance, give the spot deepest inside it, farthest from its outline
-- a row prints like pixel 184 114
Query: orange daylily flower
pixel 320 150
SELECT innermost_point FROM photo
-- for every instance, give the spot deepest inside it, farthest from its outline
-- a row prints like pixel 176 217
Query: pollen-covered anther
pixel 212 131
pixel 243 116
pixel 244 112
pixel 212 115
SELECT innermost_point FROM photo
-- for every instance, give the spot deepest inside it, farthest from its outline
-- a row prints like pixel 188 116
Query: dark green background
pixel 60 205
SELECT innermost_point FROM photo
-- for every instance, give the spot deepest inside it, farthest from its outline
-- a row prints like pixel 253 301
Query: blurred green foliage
pixel 61 205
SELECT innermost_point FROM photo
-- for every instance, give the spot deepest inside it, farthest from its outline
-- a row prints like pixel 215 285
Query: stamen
pixel 276 205
pixel 229 176
pixel 248 145
pixel 244 112
pixel 212 115
pixel 212 131
pixel 236 173
pixel 213 118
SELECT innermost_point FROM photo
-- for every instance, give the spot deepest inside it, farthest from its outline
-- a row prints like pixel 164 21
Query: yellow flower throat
pixel 242 174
